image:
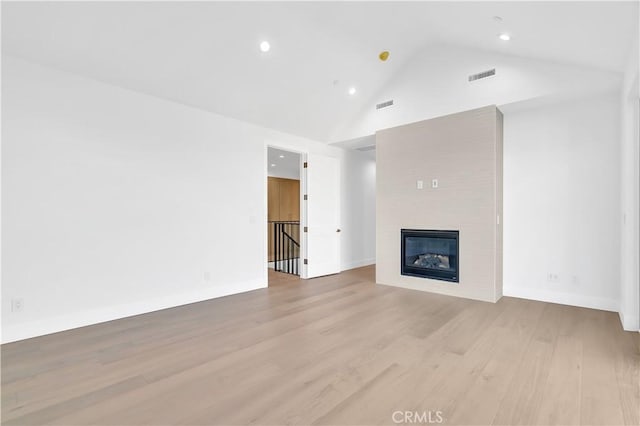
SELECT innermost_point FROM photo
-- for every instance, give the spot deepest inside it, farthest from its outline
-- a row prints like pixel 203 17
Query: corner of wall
pixel 630 182
pixel 357 264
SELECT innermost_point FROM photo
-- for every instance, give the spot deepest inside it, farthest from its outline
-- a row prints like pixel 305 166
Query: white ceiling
pixel 206 54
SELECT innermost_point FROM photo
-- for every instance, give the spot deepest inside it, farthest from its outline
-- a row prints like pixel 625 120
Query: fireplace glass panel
pixel 430 254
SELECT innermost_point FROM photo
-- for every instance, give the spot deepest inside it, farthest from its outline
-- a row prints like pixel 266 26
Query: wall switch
pixel 434 183
pixel 419 184
pixel 17 305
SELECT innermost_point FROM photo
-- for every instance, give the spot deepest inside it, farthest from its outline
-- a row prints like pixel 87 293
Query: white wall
pixel 116 203
pixel 561 202
pixel 358 205
pixel 630 189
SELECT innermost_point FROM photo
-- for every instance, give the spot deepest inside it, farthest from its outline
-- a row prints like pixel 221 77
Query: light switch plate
pixel 434 183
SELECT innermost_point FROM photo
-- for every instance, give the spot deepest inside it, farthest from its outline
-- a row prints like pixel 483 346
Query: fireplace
pixel 430 254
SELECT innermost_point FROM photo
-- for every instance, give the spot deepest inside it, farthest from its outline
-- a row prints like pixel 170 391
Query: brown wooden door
pixel 289 200
pixel 283 204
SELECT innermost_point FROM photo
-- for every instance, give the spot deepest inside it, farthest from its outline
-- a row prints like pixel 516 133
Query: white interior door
pixel 322 217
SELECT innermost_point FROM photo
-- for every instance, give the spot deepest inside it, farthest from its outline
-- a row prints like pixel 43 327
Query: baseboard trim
pixel 27 330
pixel 628 324
pixel 357 264
pixel 602 304
pixel 420 284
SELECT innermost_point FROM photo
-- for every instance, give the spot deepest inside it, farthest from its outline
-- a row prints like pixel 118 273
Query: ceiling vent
pixel 483 74
pixel 384 104
pixel 367 148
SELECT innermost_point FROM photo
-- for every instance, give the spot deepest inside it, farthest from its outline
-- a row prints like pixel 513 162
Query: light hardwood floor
pixel 334 350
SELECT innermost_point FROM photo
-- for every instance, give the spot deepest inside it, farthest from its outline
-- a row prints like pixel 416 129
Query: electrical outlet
pixel 17 305
pixel 552 277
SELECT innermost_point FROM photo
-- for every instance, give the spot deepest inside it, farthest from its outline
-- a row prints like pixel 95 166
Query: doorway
pixel 283 214
pixel 316 229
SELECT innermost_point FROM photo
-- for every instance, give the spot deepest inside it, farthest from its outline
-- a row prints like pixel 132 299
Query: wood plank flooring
pixel 333 350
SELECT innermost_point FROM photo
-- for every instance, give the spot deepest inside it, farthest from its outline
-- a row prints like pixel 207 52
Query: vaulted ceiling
pixel 207 55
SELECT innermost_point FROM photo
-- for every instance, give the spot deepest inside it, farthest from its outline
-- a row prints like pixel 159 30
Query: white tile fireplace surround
pixel 443 174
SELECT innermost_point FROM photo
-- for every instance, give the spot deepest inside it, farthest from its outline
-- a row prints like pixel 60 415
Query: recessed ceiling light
pixel 352 90
pixel 281 156
pixel 504 37
pixel 265 46
pixel 273 165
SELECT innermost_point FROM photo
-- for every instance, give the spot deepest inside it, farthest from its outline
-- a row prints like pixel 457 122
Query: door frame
pixel 303 211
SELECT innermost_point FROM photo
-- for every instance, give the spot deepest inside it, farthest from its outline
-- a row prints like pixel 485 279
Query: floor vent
pixel 384 104
pixel 483 74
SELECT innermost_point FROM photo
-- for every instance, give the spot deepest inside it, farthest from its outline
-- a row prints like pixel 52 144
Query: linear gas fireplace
pixel 430 254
